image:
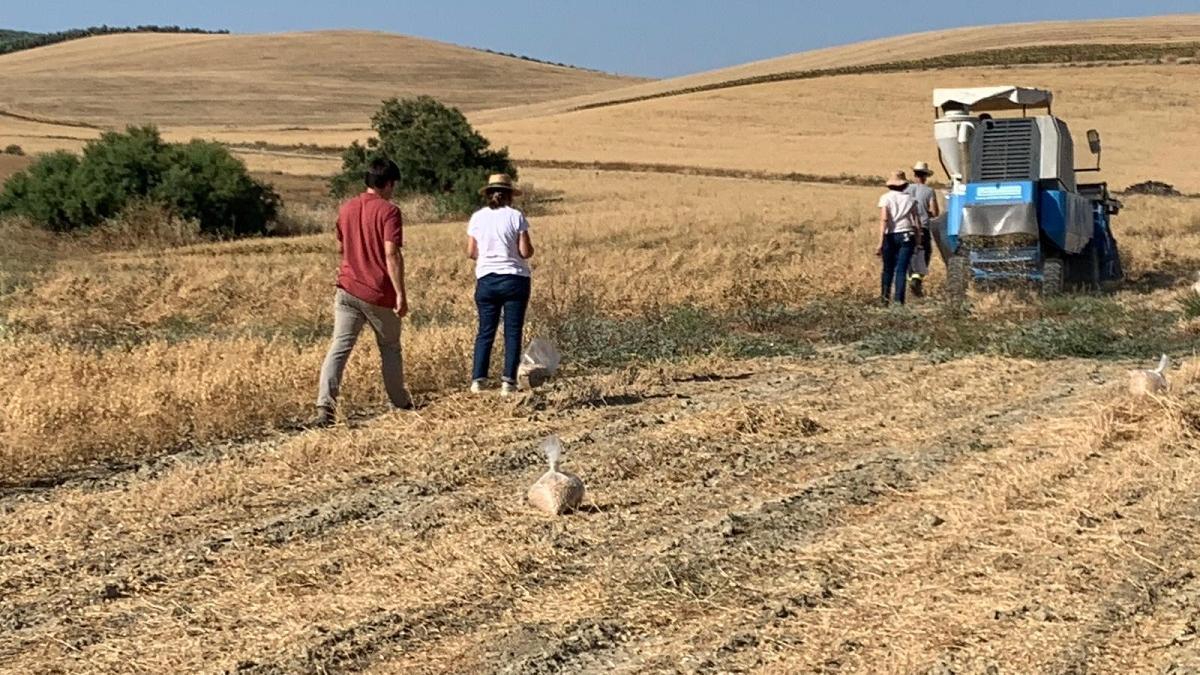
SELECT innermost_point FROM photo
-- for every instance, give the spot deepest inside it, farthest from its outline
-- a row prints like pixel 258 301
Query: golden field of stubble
pixel 782 476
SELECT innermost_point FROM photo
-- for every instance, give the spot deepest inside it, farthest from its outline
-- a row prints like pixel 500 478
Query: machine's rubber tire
pixel 958 277
pixel 1052 276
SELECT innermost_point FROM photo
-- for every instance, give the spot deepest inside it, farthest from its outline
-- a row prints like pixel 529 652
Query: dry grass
pixel 126 353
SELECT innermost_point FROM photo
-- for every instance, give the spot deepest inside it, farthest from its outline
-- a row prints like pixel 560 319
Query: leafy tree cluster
pixel 15 41
pixel 198 181
pixel 438 153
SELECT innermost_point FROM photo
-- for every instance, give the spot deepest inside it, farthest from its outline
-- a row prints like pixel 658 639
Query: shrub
pixel 118 167
pixel 46 193
pixel 206 183
pixel 198 181
pixel 14 149
pixel 436 149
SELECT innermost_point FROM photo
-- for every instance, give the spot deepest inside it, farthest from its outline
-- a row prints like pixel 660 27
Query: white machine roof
pixel 980 99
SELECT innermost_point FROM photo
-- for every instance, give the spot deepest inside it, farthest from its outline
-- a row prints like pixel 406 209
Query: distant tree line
pixel 13 41
pixel 531 59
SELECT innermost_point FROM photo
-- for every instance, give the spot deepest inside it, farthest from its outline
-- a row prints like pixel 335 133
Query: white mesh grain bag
pixel 1150 382
pixel 556 492
pixel 539 363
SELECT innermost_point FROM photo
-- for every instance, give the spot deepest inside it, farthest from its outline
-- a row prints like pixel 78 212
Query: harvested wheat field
pixel 746 516
pixel 1140 31
pixel 245 80
pixel 868 123
pixel 781 476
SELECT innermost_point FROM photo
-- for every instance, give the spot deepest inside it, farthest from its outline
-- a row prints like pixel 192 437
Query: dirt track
pixel 782 516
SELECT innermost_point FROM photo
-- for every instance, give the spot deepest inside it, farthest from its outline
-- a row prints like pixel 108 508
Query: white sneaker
pixel 477 386
pixel 508 389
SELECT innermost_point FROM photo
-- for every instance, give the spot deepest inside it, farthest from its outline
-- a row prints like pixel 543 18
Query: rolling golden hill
pixel 1161 29
pixel 866 125
pixel 290 79
pixel 308 89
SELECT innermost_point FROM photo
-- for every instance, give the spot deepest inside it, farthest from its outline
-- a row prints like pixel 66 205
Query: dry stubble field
pixel 775 486
pixel 783 478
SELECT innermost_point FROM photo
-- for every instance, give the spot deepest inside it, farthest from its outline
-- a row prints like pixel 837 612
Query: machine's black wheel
pixel 1052 276
pixel 958 277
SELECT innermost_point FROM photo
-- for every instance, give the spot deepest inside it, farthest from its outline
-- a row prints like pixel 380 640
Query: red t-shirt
pixel 364 224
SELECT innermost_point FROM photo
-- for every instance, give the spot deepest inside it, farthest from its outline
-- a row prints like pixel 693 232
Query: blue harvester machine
pixel 1016 210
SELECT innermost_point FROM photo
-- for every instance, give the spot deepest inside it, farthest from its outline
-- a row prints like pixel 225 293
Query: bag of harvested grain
pixel 556 492
pixel 1150 382
pixel 538 363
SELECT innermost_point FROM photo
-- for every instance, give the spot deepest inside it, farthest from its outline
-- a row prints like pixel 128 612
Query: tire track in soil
pixel 418 504
pixel 1170 637
pixel 1066 477
pixel 1169 570
pixel 351 649
pixel 360 505
pixel 885 471
pixel 698 562
pixel 1144 580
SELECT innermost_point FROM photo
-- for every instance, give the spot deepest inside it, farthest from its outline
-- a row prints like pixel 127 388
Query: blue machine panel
pixel 984 195
pixel 1067 219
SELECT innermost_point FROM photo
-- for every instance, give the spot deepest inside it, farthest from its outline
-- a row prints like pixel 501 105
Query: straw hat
pixel 922 168
pixel 898 179
pixel 500 181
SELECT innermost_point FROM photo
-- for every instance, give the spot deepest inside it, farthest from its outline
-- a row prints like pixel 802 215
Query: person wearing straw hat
pixel 928 208
pixel 900 230
pixel 498 241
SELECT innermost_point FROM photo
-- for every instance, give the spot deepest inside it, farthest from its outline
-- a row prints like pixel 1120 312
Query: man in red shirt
pixel 370 289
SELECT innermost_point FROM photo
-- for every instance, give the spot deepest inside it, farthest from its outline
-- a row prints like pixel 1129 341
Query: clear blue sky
pixel 656 38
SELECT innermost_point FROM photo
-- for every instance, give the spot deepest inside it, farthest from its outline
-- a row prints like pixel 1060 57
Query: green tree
pixel 435 147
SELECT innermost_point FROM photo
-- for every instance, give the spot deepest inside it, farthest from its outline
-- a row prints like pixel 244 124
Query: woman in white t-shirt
pixel 900 230
pixel 498 241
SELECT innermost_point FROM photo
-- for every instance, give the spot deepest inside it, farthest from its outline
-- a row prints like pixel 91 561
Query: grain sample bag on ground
pixel 556 492
pixel 539 363
pixel 1150 382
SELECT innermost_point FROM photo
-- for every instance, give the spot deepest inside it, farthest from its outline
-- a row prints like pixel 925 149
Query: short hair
pixel 381 173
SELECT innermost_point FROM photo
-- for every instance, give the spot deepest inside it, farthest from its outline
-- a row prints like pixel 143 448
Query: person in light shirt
pixel 899 233
pixel 928 209
pixel 498 241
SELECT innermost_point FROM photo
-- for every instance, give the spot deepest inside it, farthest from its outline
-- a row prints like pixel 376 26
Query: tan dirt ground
pixel 772 516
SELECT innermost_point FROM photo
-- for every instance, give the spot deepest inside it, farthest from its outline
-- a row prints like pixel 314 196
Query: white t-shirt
pixel 496 232
pixel 902 211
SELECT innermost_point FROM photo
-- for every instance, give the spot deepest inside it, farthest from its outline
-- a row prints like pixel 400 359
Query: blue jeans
pixel 897 254
pixel 496 294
